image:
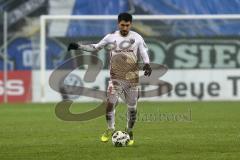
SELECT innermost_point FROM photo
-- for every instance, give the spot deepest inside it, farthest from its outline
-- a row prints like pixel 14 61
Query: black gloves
pixel 148 70
pixel 73 46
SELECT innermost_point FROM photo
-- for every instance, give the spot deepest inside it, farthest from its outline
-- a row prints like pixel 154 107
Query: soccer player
pixel 124 46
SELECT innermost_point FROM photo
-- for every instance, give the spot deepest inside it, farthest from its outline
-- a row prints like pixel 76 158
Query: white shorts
pixel 125 90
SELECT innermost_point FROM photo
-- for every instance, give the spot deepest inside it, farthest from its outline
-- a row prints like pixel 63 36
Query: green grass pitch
pixel 164 131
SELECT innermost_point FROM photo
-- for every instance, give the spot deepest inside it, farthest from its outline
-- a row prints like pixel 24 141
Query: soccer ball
pixel 120 139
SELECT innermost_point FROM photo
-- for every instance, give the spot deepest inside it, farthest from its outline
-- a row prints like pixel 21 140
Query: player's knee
pixel 132 103
pixel 112 99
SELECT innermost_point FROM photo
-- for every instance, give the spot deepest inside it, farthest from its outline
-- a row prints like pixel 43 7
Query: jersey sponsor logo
pixel 132 41
pixel 126 44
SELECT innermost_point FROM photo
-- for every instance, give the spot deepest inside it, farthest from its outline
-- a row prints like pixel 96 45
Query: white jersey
pixel 124 52
pixel 133 43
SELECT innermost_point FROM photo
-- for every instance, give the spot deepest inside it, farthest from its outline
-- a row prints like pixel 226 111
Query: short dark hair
pixel 124 16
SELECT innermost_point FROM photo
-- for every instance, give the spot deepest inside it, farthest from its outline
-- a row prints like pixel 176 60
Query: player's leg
pixel 110 115
pixel 112 101
pixel 131 118
pixel 110 118
pixel 131 95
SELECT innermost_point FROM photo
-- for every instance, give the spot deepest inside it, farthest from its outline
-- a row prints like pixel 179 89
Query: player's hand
pixel 148 70
pixel 73 46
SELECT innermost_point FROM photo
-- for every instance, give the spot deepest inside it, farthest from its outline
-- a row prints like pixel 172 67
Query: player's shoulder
pixel 109 35
pixel 113 33
pixel 136 35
